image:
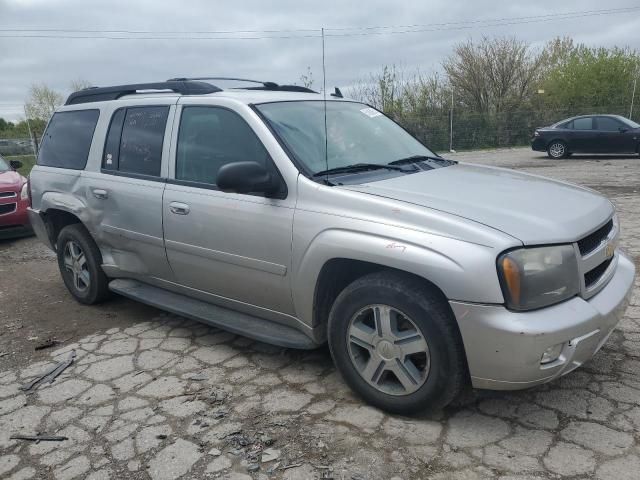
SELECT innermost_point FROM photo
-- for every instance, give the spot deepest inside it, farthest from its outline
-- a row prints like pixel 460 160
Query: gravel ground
pixel 152 395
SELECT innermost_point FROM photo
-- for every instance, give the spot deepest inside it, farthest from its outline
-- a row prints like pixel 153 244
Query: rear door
pixel 614 136
pixel 583 136
pixel 125 197
pixel 235 247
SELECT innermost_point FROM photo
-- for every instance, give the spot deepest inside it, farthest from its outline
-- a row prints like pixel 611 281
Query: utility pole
pixel 33 141
pixel 633 95
pixel 451 150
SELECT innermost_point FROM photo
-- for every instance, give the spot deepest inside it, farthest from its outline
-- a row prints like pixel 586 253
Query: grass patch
pixel 28 161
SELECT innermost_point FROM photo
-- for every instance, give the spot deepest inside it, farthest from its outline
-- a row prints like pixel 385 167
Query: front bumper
pixel 538 144
pixel 15 223
pixel 504 348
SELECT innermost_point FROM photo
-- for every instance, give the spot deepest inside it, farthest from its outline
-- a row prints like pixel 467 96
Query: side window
pixel 585 123
pixel 568 125
pixel 210 137
pixel 134 141
pixel 68 138
pixel 608 124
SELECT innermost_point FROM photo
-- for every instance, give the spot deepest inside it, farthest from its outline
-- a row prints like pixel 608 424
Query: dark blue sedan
pixel 588 134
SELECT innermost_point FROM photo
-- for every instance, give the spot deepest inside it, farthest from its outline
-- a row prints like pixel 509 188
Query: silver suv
pixel 295 220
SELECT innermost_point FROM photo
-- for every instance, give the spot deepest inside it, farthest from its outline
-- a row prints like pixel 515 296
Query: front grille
pixel 592 276
pixel 589 243
pixel 7 194
pixel 7 208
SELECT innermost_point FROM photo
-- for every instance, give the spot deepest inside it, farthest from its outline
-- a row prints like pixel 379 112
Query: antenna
pixel 324 96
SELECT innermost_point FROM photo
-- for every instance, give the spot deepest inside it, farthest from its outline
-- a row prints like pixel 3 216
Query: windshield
pixel 356 134
pixel 631 123
pixel 4 166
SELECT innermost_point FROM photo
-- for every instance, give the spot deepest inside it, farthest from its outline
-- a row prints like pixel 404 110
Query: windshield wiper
pixel 421 158
pixel 359 167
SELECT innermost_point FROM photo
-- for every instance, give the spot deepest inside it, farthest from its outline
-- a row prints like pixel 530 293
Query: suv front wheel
pixel 80 261
pixel 396 343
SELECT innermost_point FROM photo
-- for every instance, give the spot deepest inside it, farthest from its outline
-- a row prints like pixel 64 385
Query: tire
pixel 438 372
pixel 80 261
pixel 557 149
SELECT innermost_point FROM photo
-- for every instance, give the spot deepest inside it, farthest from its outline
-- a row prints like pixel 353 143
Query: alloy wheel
pixel 75 262
pixel 557 150
pixel 388 350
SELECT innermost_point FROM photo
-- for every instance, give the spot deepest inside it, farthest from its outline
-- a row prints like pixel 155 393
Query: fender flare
pixel 428 262
pixel 65 202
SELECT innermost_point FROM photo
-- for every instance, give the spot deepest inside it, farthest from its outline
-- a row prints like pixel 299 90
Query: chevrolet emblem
pixel 609 249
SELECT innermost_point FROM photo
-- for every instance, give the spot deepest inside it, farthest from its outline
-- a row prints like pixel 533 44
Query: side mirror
pixel 15 164
pixel 622 129
pixel 246 177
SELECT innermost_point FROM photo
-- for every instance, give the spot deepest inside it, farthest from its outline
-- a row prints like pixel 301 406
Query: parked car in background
pixel 273 214
pixel 14 200
pixel 588 134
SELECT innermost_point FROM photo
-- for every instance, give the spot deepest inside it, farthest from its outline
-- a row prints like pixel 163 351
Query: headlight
pixel 24 191
pixel 537 277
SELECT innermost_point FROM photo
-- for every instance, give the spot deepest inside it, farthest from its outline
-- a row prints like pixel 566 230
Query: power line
pixel 299 33
pixel 317 30
pixel 607 11
pixel 523 21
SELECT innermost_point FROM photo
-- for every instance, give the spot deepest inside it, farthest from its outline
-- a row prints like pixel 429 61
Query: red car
pixel 14 200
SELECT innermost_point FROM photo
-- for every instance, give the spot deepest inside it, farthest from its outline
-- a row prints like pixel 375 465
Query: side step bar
pixel 220 317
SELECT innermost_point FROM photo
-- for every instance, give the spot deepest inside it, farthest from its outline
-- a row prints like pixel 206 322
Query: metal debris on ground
pixel 217 396
pixel 48 343
pixel 270 454
pixel 3 354
pixel 292 465
pixel 266 440
pixel 39 438
pixel 51 374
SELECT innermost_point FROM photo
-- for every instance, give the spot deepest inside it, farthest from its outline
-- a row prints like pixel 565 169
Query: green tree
pixel 307 78
pixel 42 102
pixel 591 80
pixel 79 84
pixel 493 75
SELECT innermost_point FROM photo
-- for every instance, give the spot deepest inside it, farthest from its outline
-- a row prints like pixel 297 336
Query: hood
pixel 533 209
pixel 10 179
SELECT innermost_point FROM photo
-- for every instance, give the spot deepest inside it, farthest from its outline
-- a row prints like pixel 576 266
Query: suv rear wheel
pixel 79 261
pixel 396 343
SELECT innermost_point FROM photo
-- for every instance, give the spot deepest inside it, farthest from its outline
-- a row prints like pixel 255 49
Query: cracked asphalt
pixel 151 395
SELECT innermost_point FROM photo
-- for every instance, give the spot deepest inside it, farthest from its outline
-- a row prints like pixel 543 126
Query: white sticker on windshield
pixel 371 112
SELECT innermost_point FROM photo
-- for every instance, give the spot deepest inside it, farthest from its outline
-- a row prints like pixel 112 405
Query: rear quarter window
pixel 67 140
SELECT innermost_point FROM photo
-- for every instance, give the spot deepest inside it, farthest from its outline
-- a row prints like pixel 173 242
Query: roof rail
pixel 263 85
pixel 100 94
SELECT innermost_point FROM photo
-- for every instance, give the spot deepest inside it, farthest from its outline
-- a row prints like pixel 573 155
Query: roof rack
pixel 263 85
pixel 181 86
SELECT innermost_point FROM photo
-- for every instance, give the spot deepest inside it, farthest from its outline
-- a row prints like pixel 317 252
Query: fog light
pixel 551 354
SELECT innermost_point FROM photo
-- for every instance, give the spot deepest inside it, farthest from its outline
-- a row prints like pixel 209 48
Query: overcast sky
pixel 102 61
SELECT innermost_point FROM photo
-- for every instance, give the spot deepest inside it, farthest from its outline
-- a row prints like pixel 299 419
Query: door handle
pixel 179 208
pixel 100 194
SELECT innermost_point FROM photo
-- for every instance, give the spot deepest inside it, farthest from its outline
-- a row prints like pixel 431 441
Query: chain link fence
pixel 16 146
pixel 470 131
